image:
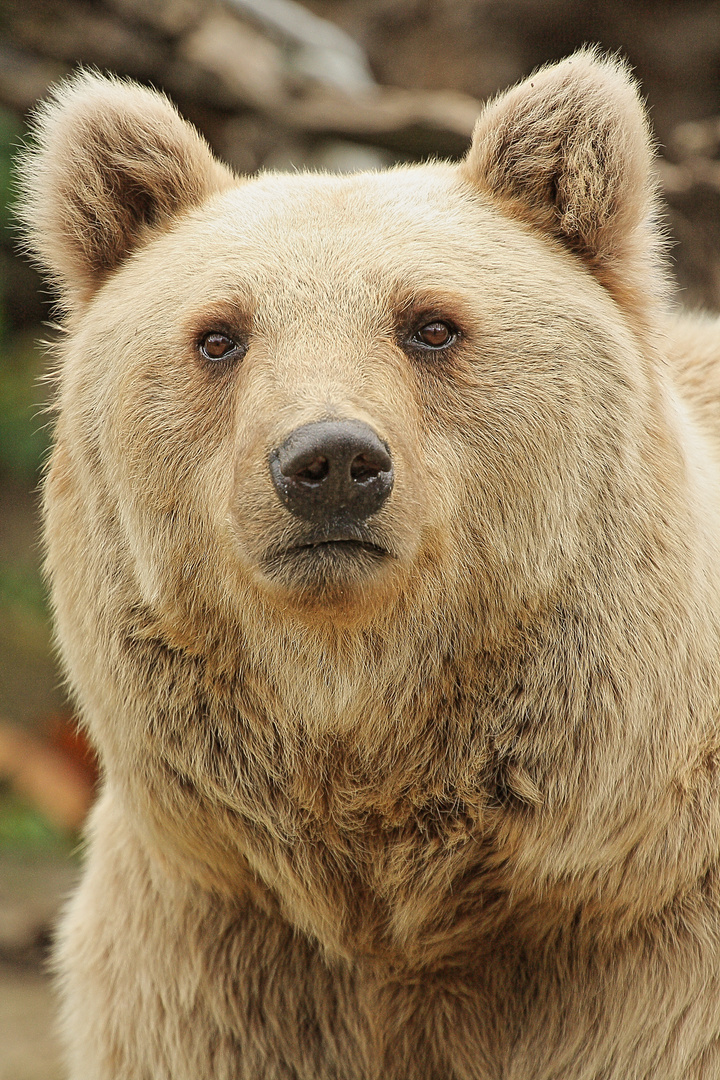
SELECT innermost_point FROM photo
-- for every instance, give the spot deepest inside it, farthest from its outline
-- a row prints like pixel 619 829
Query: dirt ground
pixel 32 891
pixel 28 1049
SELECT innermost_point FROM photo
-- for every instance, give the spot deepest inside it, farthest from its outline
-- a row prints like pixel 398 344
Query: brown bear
pixel 383 530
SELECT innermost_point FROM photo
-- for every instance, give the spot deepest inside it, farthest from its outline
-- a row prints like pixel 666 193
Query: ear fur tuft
pixel 110 162
pixel 569 152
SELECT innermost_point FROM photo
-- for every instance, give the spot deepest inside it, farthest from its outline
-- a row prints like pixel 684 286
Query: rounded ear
pixel 110 162
pixel 569 152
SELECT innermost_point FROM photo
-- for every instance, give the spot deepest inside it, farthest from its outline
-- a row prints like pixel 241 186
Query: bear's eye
pixel 217 346
pixel 434 335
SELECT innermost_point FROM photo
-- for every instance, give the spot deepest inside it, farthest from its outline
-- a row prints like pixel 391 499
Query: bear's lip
pixel 326 552
pixel 338 544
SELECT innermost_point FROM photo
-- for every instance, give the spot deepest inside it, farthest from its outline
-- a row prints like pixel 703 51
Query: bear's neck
pixel 419 801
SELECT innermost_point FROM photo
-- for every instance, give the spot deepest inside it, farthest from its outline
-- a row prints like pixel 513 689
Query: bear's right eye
pixel 218 346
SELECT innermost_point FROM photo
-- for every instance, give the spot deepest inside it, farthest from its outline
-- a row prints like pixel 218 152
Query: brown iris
pixel 217 346
pixel 434 335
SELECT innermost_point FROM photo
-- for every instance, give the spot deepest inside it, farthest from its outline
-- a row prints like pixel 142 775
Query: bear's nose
pixel 332 471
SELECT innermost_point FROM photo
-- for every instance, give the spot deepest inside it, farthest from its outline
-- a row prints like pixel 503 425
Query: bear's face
pixel 404 302
pixel 337 391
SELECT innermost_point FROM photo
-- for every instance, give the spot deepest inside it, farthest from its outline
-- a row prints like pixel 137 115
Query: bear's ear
pixel 569 152
pixel 110 162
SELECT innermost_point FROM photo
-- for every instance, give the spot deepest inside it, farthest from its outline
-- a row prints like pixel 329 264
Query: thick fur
pixel 120 165
pixel 455 816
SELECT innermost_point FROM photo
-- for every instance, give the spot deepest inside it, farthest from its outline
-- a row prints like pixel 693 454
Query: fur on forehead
pixel 569 152
pixel 109 163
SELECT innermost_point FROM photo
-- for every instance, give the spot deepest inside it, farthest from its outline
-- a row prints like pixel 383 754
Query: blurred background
pixel 273 84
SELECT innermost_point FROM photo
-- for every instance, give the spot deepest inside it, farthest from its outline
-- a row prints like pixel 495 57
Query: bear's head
pixel 369 499
pixel 325 393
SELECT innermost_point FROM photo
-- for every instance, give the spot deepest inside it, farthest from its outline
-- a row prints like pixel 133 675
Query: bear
pixel 382 531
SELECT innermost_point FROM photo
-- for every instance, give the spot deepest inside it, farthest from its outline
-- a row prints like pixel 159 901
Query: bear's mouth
pixel 335 559
pixel 340 547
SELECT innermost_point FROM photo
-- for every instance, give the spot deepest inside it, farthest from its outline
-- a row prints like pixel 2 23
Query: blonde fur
pixel 456 817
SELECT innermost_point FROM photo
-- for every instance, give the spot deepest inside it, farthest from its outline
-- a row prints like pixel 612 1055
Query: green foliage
pixel 24 829
pixel 23 424
pixel 23 606
pixel 20 584
pixel 22 438
pixel 10 133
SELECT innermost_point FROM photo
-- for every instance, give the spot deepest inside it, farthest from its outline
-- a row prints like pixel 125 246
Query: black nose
pixel 332 471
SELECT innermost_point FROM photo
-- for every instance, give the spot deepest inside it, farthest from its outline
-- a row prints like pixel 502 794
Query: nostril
pixel 314 472
pixel 363 469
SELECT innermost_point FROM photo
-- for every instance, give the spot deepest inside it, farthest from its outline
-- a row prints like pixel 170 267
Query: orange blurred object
pixel 65 735
pixel 58 776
